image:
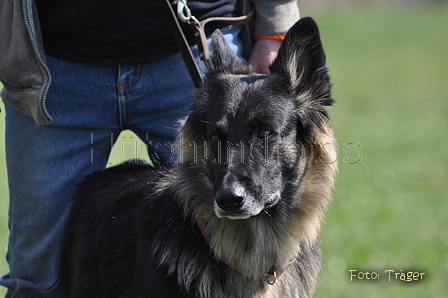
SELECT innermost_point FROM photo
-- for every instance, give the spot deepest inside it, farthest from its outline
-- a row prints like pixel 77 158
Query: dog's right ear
pixel 301 60
pixel 222 58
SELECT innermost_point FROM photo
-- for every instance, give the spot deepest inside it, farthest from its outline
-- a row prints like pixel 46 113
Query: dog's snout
pixel 229 200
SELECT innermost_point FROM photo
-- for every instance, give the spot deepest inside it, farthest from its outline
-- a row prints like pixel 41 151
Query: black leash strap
pixel 184 48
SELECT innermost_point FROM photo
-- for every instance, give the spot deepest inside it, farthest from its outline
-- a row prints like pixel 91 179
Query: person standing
pixel 75 74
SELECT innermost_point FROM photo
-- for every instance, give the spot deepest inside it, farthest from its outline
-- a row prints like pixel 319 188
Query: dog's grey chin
pixel 238 217
pixel 233 216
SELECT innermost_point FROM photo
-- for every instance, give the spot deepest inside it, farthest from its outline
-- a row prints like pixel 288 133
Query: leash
pixel 198 27
pixel 199 30
pixel 184 48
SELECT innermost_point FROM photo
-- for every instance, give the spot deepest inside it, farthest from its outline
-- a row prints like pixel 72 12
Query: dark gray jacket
pixel 23 70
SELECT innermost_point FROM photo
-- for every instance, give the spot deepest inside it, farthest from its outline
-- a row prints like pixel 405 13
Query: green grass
pixel 3 199
pixel 390 69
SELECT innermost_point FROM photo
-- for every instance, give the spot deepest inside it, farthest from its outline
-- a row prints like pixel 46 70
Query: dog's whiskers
pixel 207 122
pixel 267 212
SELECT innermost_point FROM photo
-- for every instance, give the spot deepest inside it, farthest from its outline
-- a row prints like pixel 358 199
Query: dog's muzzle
pixel 235 203
pixel 230 200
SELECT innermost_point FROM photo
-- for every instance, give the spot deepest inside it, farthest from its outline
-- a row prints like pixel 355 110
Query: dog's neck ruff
pixel 270 277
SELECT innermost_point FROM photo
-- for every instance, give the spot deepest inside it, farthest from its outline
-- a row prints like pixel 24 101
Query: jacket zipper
pixel 25 6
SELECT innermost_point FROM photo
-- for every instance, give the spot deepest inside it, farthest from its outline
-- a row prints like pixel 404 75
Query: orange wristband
pixel 278 36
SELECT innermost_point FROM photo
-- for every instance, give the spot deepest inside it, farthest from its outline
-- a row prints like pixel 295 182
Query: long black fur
pixel 255 171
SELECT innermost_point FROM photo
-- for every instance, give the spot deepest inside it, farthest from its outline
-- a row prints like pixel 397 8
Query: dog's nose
pixel 229 200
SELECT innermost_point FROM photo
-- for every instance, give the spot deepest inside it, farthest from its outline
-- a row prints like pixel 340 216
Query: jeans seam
pixel 134 82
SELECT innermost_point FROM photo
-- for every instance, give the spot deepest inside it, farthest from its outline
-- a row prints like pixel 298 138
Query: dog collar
pixel 269 277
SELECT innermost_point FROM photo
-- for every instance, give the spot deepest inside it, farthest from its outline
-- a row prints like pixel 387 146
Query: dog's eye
pixel 264 134
pixel 214 138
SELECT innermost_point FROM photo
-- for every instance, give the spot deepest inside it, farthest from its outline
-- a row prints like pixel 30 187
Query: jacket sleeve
pixel 274 16
pixel 23 69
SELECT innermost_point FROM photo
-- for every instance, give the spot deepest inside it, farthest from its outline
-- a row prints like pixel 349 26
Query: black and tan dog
pixel 239 214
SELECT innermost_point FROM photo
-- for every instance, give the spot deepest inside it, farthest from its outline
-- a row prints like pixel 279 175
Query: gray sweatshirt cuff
pixel 273 16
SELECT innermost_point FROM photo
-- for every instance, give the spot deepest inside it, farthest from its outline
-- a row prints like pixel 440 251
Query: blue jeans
pixel 90 105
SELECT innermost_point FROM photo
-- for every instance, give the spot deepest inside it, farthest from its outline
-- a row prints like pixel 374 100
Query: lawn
pixel 390 70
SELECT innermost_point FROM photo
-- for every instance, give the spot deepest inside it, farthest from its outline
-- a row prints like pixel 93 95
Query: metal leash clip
pixel 184 12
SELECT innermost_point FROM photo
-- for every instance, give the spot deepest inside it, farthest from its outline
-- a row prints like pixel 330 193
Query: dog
pixel 238 215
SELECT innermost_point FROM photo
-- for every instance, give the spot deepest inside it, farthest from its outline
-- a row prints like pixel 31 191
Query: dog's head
pixel 263 141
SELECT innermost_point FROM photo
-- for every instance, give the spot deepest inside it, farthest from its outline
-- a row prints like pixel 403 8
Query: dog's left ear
pixel 301 60
pixel 222 57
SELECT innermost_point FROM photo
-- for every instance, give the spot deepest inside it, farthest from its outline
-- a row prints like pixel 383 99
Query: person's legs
pixel 90 106
pixel 44 165
pixel 163 95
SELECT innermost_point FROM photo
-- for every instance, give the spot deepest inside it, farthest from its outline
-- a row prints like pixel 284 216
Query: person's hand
pixel 263 54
